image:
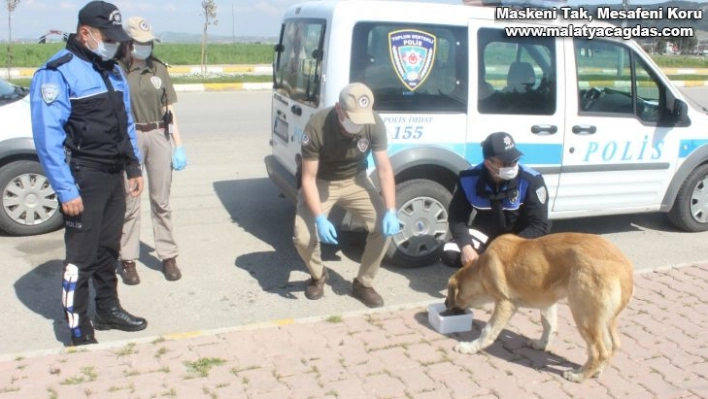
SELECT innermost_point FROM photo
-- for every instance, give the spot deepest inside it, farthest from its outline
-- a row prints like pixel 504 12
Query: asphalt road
pixel 234 231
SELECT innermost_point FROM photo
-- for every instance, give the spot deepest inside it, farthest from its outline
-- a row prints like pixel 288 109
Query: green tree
pixel 11 6
pixel 209 8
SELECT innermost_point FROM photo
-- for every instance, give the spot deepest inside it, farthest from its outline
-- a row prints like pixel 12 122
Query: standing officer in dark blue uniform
pixel 506 197
pixel 86 140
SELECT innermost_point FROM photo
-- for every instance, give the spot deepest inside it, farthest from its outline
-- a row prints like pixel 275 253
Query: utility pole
pixel 625 4
pixel 233 24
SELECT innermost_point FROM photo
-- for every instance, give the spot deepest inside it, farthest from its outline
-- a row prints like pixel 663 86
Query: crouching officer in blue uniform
pixel 506 197
pixel 86 141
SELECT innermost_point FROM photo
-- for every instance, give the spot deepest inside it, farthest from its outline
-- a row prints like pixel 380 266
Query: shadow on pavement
pixel 428 279
pixel 511 347
pixel 40 291
pixel 257 206
pixel 149 259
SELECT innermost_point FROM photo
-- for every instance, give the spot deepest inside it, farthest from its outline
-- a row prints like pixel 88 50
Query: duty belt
pixel 78 164
pixel 149 126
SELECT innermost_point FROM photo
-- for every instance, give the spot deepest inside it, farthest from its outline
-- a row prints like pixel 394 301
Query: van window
pixel 516 75
pixel 412 68
pixel 298 60
pixel 609 76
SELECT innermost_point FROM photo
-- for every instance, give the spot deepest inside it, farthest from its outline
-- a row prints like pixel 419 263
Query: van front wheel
pixel 422 211
pixel 690 210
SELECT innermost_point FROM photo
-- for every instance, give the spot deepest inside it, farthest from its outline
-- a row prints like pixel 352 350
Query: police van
pixel 597 118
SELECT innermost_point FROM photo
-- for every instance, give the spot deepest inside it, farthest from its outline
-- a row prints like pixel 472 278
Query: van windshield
pixel 298 60
pixel 412 68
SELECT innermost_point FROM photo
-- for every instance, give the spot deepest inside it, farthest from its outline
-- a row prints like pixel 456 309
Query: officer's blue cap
pixel 501 145
pixel 106 17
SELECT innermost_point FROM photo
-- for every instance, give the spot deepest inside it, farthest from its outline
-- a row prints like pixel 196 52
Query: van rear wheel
pixel 422 211
pixel 690 210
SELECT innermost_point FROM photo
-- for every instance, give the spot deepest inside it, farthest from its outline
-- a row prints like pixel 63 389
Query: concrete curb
pixel 216 331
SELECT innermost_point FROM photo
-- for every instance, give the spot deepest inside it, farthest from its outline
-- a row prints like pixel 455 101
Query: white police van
pixel 598 118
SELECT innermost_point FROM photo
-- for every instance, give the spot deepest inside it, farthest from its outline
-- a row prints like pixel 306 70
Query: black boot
pixel 87 339
pixel 116 318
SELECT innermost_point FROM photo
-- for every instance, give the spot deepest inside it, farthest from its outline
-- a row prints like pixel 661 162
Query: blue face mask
pixel 142 51
pixel 104 50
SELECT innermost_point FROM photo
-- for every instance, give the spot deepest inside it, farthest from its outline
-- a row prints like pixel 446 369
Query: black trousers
pixel 92 242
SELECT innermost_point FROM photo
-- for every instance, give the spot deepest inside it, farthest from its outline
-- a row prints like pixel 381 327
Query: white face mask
pixel 351 127
pixel 104 50
pixel 508 173
pixel 142 51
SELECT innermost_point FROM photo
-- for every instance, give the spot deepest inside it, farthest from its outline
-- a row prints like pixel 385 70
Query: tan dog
pixel 587 269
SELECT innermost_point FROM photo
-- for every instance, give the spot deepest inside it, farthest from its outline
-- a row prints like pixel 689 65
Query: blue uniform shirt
pixel 73 110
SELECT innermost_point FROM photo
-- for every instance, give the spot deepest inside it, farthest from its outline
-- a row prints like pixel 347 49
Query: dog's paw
pixel 467 348
pixel 573 376
pixel 538 344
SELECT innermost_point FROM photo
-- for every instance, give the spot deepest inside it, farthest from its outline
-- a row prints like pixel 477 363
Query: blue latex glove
pixel 179 158
pixel 391 226
pixel 325 230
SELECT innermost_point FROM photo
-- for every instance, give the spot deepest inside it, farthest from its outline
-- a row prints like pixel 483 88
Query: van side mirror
pixel 680 111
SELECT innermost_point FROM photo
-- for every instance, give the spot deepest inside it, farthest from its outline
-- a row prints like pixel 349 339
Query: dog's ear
pixel 451 292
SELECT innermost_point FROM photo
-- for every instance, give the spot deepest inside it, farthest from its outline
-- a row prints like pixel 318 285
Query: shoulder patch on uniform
pixel 156 82
pixel 60 61
pixel 542 194
pixel 305 139
pixel 50 92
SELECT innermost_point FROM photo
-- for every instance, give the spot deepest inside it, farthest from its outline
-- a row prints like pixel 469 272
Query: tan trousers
pixel 156 150
pixel 358 196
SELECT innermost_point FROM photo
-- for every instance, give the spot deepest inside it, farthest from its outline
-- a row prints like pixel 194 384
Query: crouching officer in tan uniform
pixel 335 148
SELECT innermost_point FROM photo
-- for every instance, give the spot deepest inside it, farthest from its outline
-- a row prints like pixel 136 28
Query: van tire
pixel 25 181
pixel 690 210
pixel 422 210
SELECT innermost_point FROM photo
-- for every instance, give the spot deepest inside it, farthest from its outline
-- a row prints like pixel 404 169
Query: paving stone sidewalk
pixel 393 353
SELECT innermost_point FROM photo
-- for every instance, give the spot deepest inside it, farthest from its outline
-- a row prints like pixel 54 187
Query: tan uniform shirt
pixel 150 91
pixel 340 157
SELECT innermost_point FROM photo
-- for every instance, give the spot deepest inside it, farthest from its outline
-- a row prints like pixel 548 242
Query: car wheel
pixel 29 204
pixel 690 210
pixel 422 212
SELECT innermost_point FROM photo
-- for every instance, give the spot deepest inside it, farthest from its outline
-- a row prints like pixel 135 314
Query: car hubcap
pixel 423 227
pixel 29 199
pixel 699 201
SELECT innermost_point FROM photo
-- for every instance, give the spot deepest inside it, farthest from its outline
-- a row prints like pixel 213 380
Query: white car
pixel 29 204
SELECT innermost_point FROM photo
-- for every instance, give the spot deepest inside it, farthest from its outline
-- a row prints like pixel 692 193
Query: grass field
pixel 34 55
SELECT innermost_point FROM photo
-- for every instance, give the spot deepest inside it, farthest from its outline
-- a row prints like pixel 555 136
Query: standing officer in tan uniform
pixel 335 148
pixel 152 96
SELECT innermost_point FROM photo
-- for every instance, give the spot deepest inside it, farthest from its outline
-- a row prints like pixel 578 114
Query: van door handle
pixel 296 109
pixel 584 129
pixel 538 129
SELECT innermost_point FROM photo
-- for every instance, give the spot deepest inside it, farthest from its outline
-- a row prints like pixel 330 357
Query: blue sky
pixel 33 18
